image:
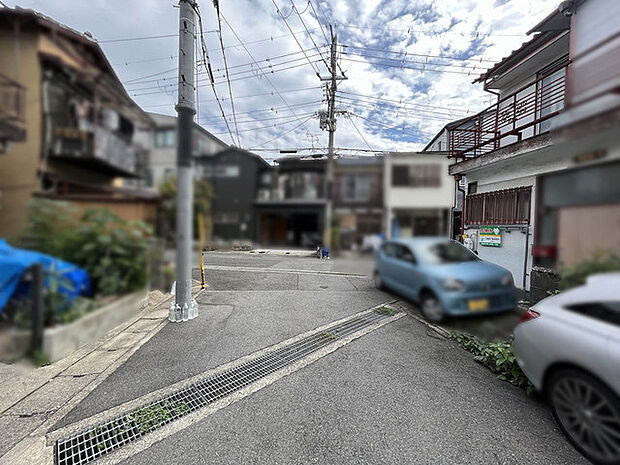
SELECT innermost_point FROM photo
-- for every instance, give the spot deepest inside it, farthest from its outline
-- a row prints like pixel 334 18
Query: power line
pixel 241 72
pixel 207 65
pixel 317 18
pixel 240 78
pixel 294 36
pixel 423 112
pixel 406 67
pixel 302 89
pixel 434 33
pixel 150 75
pixel 219 82
pixel 400 102
pixel 302 123
pixel 261 70
pixel 403 61
pixel 308 32
pixel 262 127
pixel 230 93
pixel 424 55
pixel 277 109
pixel 406 115
pixel 358 131
pixel 417 133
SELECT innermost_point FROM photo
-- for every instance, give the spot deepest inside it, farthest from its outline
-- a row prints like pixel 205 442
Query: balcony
pixel 12 111
pixel 100 149
pixel 520 115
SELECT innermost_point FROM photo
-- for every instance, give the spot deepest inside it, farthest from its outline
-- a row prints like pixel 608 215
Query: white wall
pixel 418 197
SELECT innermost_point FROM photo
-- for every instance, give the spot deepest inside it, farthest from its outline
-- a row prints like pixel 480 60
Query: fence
pixel 517 116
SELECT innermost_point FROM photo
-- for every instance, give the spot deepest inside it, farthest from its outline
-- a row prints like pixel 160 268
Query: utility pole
pixel 331 127
pixel 184 308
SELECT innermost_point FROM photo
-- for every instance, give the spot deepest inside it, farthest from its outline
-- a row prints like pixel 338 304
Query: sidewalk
pixel 33 400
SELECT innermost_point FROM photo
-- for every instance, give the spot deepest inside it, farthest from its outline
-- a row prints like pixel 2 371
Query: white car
pixel 568 346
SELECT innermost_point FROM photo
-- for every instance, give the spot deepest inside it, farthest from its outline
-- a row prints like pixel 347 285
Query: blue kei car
pixel 446 278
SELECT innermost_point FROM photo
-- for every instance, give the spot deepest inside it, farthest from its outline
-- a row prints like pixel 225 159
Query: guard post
pixel 203 271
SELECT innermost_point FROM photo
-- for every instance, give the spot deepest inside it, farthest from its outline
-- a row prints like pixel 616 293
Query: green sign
pixel 490 236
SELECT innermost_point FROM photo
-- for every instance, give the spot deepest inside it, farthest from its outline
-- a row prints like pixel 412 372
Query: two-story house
pixel 235 176
pixel 418 194
pixel 290 204
pixel 542 163
pixel 358 198
pixel 161 142
pixel 79 123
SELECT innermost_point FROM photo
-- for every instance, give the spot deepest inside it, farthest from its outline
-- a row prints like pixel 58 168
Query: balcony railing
pixel 12 95
pixel 520 115
pixel 99 145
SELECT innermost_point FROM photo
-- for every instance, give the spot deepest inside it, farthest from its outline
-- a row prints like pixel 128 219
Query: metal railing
pixel 515 117
pixel 99 143
pixel 503 207
pixel 12 100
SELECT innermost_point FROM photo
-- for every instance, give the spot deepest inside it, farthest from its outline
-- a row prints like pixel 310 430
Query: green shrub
pixel 113 251
pixel 577 274
pixel 497 357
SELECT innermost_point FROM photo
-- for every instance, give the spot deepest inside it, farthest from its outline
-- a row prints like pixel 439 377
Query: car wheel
pixel 588 414
pixel 379 281
pixel 432 309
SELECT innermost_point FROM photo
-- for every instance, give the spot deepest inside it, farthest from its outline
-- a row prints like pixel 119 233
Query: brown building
pixel 79 123
pixel 358 198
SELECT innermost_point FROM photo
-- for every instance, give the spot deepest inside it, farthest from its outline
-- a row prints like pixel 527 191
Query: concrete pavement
pixel 400 394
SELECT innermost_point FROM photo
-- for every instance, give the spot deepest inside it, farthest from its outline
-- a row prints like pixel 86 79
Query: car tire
pixel 588 413
pixel 431 308
pixel 379 281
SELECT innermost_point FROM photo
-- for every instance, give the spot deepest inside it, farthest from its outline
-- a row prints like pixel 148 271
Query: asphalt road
pixel 400 394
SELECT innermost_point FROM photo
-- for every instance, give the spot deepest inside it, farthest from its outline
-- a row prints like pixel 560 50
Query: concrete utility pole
pixel 331 127
pixel 184 308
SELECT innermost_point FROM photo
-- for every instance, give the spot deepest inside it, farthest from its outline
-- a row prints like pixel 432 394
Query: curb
pixel 96 361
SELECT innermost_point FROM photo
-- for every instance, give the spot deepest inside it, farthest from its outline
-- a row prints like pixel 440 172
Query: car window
pixel 608 312
pixel 387 249
pixel 447 252
pixel 403 253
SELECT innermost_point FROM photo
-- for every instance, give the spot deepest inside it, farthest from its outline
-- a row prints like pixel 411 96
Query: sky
pixel 409 63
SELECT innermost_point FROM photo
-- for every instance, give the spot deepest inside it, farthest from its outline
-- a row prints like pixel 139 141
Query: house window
pixel 165 138
pixel 356 188
pixel 472 187
pixel 508 206
pixel 416 175
pixel 550 92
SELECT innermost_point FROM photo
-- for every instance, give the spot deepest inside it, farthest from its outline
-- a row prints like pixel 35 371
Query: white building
pixel 162 145
pixel 418 194
pixel 542 164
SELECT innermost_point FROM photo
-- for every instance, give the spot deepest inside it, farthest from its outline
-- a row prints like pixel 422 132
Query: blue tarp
pixel 69 278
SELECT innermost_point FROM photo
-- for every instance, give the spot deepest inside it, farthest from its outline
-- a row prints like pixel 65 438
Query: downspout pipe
pixel 458 188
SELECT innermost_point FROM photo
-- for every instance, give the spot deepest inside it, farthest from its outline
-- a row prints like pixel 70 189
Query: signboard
pixel 490 236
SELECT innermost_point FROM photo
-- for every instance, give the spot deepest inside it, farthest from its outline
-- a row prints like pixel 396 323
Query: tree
pixel 203 194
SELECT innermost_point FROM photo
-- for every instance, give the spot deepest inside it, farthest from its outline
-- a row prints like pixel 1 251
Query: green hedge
pixel 112 250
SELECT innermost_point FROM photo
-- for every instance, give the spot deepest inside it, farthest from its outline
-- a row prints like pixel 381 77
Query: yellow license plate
pixel 478 305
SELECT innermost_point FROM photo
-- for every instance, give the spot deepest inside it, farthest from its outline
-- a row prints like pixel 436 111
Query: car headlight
pixel 507 280
pixel 453 285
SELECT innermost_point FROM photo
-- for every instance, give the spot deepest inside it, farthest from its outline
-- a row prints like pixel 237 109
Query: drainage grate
pixel 97 441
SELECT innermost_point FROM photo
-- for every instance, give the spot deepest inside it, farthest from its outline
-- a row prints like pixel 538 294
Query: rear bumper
pixel 457 303
pixel 528 357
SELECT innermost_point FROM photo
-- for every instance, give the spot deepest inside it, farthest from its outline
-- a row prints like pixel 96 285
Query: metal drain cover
pixel 102 439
